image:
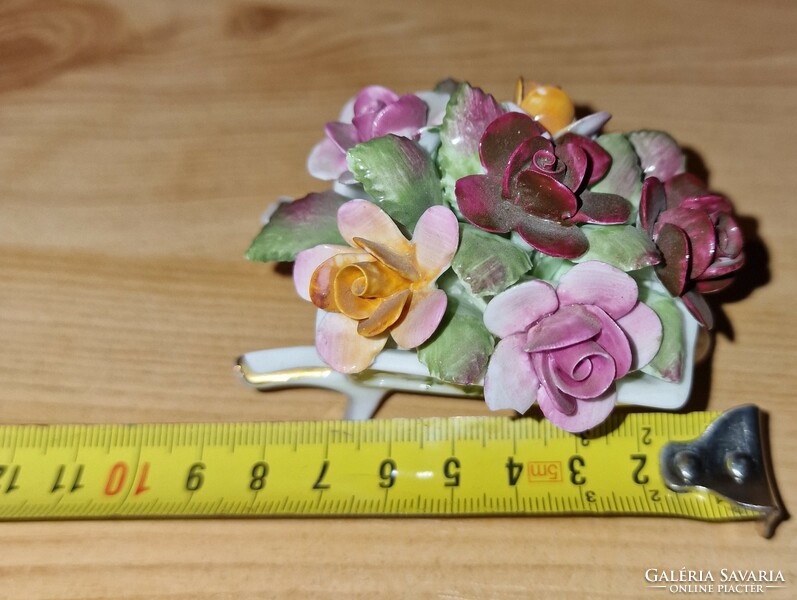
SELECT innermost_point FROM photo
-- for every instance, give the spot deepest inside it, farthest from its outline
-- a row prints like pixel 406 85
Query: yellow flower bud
pixel 546 104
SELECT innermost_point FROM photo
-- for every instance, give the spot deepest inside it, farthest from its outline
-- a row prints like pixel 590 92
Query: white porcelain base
pixel 400 370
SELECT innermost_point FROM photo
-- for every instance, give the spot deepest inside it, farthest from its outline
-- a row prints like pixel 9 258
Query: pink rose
pixel 565 347
pixel 375 112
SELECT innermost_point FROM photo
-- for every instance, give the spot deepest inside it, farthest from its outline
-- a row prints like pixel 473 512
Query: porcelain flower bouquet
pixel 508 244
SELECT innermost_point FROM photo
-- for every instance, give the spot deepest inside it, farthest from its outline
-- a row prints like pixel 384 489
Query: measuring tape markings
pixel 471 465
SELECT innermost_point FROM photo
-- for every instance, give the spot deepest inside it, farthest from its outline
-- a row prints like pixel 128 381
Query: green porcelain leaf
pixel 623 246
pixel 469 112
pixel 625 175
pixel 550 268
pixel 298 225
pixel 399 175
pixel 488 263
pixel 668 363
pixel 459 350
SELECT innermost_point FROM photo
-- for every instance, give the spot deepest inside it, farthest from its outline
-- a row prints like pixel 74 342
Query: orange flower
pixel 382 284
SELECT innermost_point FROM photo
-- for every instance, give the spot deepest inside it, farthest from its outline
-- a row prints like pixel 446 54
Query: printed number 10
pixel 117 477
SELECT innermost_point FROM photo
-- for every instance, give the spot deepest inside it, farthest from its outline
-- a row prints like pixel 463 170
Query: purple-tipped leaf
pixel 623 246
pixel 468 114
pixel 659 154
pixel 461 346
pixel 668 361
pixel 488 264
pixel 398 174
pixel 624 177
pixel 298 225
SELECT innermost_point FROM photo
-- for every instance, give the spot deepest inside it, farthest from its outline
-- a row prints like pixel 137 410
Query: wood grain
pixel 139 143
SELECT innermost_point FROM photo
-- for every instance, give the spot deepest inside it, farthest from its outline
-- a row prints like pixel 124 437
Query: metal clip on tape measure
pixel 699 465
pixel 731 460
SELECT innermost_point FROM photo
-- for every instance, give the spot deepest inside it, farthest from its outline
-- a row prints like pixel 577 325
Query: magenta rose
pixel 698 236
pixel 565 347
pixel 376 111
pixel 538 187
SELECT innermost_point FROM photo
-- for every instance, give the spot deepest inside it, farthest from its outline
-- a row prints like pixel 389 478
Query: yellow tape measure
pixel 433 466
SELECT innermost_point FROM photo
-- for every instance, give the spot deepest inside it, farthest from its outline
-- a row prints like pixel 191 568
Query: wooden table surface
pixel 139 144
